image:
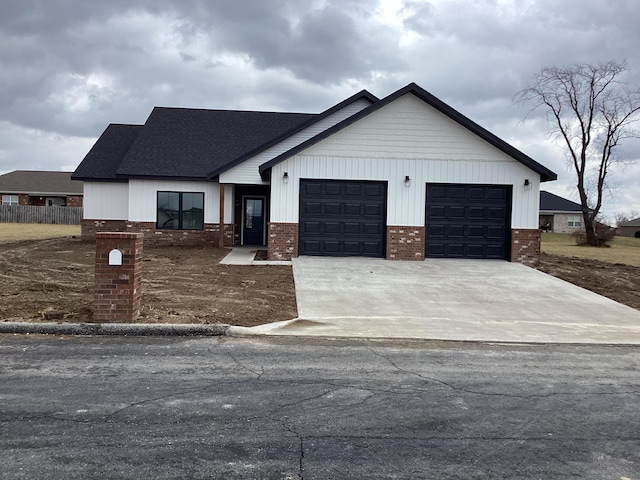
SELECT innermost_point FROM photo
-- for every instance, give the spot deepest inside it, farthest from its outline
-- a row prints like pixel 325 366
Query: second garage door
pixel 342 218
pixel 468 221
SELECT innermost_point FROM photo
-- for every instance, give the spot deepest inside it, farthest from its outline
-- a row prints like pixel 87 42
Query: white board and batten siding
pixel 105 200
pixel 247 173
pixel 406 137
pixel 143 199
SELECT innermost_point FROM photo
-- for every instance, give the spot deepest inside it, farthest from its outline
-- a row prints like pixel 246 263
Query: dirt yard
pixel 614 280
pixel 52 280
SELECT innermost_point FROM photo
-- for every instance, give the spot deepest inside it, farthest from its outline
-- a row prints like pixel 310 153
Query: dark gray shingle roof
pixel 34 182
pixel 104 158
pixel 553 203
pixel 190 143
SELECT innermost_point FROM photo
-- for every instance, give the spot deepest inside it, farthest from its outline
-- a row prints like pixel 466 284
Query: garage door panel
pixel 373 249
pixel 352 248
pixel 372 229
pixel 495 232
pixel 476 251
pixel 436 211
pixel 312 188
pixel 455 231
pixel 477 212
pixel 476 193
pixel 375 190
pixel 352 218
pixel 353 209
pixel 312 208
pixel 455 250
pixel 353 190
pixel 467 221
pixel 456 212
pixel 373 210
pixel 352 228
pixel 311 246
pixel 332 208
pixel 333 190
pixel 330 246
pixel 476 231
pixel 437 191
pixel 496 213
pixel 331 227
pixel 435 250
pixel 436 231
pixel 311 227
pixel 495 251
pixel 456 192
pixel 497 193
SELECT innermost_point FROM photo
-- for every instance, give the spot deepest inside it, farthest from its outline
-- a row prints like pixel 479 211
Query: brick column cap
pixel 119 235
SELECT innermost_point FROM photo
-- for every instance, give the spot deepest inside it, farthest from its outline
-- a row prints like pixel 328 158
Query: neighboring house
pixel 630 228
pixel 559 215
pixel 42 188
pixel 403 177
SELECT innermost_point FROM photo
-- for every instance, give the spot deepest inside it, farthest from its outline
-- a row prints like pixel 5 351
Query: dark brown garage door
pixel 342 218
pixel 468 221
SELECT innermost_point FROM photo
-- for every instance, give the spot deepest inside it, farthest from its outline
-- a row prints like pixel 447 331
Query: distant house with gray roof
pixel 630 228
pixel 40 188
pixel 559 215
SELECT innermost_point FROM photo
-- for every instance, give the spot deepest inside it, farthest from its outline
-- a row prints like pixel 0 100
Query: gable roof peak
pixel 422 94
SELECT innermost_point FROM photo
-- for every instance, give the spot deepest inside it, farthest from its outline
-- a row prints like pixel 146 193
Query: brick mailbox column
pixel 118 280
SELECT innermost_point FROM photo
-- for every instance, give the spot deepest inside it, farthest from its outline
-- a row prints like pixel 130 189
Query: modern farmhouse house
pixel 404 177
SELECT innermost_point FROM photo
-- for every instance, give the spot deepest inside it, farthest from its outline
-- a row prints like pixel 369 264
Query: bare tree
pixel 621 218
pixel 592 110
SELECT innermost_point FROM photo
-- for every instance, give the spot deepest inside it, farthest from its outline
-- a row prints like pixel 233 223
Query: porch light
pixel 285 177
pixel 527 184
pixel 407 181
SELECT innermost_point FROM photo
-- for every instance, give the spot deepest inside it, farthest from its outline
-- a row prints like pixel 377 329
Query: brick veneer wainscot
pixel 209 236
pixel 525 246
pixel 283 241
pixel 89 228
pixel 118 288
pixel 405 242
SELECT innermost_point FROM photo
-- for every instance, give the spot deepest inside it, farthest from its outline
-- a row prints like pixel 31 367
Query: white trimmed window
pixel 575 221
pixel 9 199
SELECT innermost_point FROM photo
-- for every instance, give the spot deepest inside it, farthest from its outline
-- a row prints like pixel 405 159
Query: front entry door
pixel 253 221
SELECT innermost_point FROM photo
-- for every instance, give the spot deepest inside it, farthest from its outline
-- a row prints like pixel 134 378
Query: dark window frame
pixel 180 212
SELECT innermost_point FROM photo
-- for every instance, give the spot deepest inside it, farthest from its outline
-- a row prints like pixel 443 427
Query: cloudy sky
pixel 68 68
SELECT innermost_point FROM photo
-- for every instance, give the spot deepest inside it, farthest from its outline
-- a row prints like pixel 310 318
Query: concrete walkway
pixel 243 255
pixel 463 300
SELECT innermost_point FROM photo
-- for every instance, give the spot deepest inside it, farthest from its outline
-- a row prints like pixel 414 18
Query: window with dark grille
pixel 180 211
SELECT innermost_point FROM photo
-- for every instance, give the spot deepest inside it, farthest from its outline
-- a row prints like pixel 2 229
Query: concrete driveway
pixel 465 300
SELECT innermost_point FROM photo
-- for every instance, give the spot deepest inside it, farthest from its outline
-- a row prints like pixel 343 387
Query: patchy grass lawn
pixel 13 232
pixel 623 250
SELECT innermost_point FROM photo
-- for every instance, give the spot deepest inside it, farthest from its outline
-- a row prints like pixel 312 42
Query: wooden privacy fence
pixel 35 214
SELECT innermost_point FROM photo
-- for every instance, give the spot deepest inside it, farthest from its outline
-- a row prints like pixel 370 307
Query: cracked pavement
pixel 114 407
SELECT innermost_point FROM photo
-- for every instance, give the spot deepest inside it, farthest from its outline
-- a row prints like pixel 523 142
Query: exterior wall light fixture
pixel 407 181
pixel 527 184
pixel 285 177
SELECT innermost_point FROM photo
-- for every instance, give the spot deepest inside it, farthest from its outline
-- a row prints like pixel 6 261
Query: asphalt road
pixel 113 407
